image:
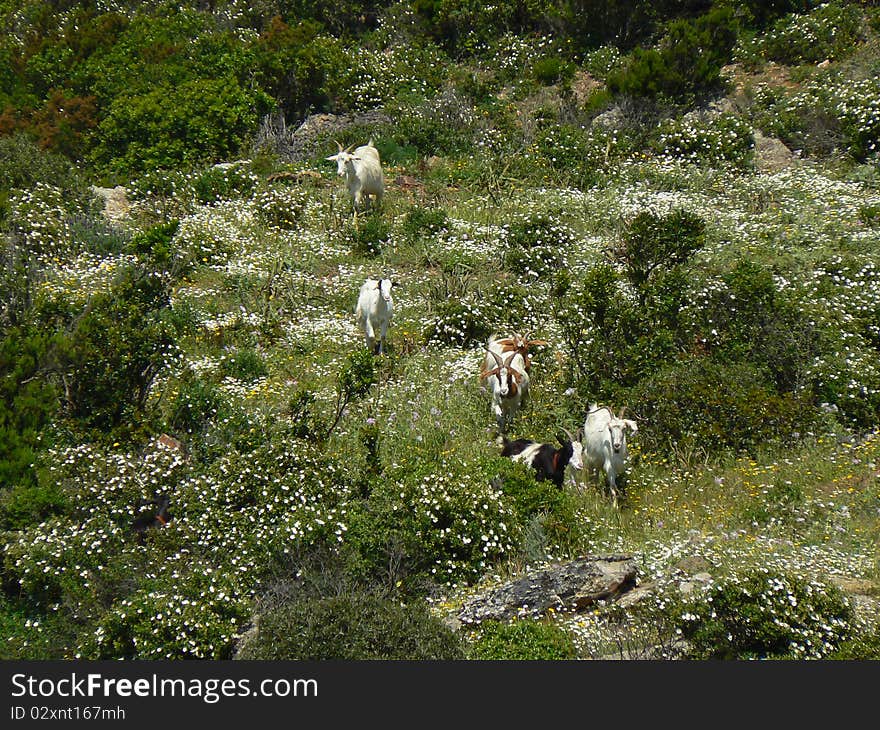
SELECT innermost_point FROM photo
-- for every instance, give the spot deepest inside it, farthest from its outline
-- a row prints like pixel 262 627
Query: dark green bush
pixel 27 504
pixel 654 244
pixel 244 364
pixel 114 351
pixel 685 65
pixel 459 323
pixel 553 70
pixel 203 120
pixel 711 406
pixel 428 524
pixel 829 31
pixel 28 403
pixel 193 404
pixel 424 222
pixel 351 627
pixel 23 164
pixel 540 505
pixel 864 645
pixel 749 320
pixel 766 614
pixel 369 236
pixel 155 242
pixel 522 640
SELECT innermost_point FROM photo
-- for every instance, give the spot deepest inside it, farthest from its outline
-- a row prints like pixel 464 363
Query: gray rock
pixel 571 586
pixel 771 155
pixel 115 200
pixel 306 140
pixel 611 119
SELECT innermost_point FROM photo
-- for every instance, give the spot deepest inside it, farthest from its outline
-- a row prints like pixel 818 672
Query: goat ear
pixel 632 425
pixel 333 158
pixel 538 342
pixel 486 373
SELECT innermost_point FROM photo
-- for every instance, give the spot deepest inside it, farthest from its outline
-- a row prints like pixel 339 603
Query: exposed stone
pixel 305 141
pixel 569 586
pixel 116 203
pixel 771 155
pixel 611 119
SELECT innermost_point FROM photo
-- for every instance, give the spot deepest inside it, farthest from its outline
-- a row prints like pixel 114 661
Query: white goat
pixel 604 442
pixel 373 311
pixel 362 170
pixel 508 382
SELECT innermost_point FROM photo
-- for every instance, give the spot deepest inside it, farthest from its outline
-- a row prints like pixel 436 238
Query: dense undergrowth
pixel 588 186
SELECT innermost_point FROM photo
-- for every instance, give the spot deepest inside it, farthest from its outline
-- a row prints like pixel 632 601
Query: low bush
pixel 709 406
pixel 766 614
pixel 522 640
pixel 354 626
pixel 434 525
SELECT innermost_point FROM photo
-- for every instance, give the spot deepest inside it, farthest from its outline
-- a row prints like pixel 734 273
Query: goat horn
pixel 621 412
pixel 495 355
pixel 567 433
pixel 338 145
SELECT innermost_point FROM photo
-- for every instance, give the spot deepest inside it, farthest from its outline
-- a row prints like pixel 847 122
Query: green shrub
pixel 686 64
pixel 724 139
pixel 28 403
pixel 522 640
pixel 830 31
pixel 434 524
pixel 603 61
pixel 709 406
pixel 864 645
pixel 175 125
pixel 223 183
pixel 353 626
pixel 766 614
pixel 553 70
pixel 194 403
pixel 196 618
pixel 280 208
pixel 748 319
pixel 654 244
pixel 155 242
pixel 534 247
pixel 458 322
pixel 28 504
pixel 244 364
pixel 369 236
pixel 115 349
pixel 424 222
pixel 540 507
pixel 23 164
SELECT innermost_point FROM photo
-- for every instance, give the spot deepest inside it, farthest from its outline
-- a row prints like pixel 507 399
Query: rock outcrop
pixel 571 586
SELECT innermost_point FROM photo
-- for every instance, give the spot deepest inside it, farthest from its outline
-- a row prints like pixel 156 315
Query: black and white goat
pixel 154 518
pixel 548 462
